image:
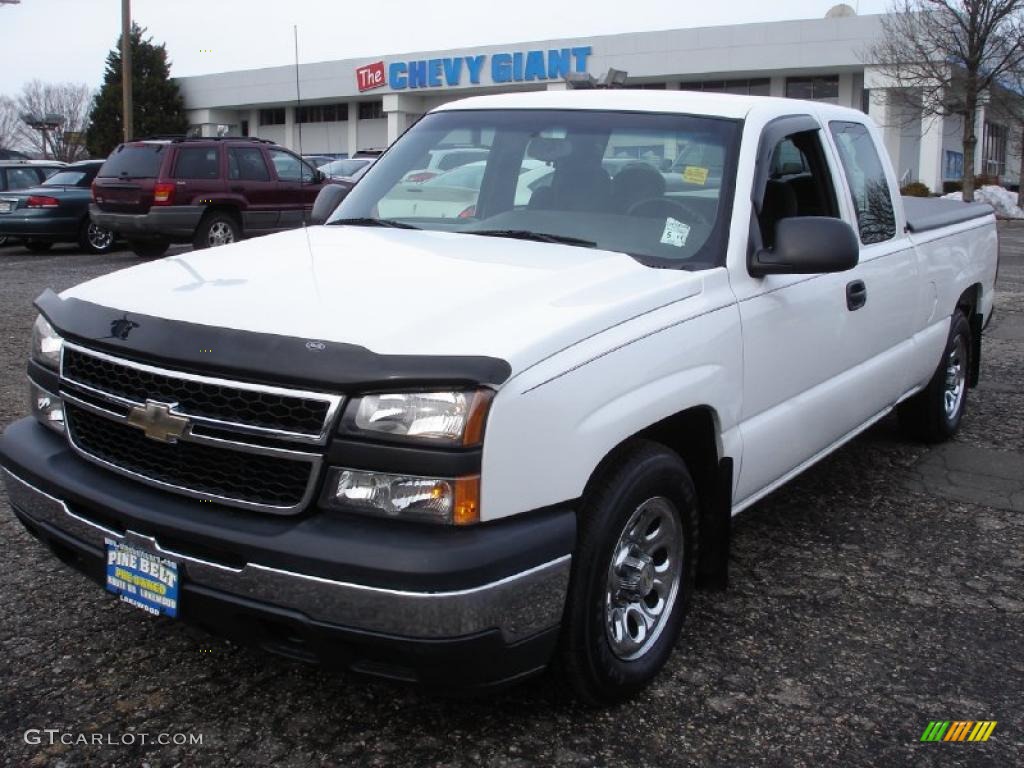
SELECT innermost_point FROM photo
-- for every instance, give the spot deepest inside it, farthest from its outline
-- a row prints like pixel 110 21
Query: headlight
pixel 46 344
pixel 447 418
pixel 46 407
pixel 428 499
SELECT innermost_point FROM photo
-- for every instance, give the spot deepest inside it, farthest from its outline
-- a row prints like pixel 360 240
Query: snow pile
pixel 1003 200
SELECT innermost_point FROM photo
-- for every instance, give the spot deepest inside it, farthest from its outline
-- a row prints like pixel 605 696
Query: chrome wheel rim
pixel 99 238
pixel 643 578
pixel 956 378
pixel 221 233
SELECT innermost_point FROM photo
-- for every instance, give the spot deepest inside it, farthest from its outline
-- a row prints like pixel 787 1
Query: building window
pixel 757 86
pixel 245 127
pixel 371 110
pixel 272 116
pixel 819 88
pixel 993 153
pixel 321 113
pixel 647 86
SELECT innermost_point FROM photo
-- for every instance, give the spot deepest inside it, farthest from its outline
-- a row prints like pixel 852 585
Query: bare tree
pixel 69 100
pixel 10 125
pixel 945 57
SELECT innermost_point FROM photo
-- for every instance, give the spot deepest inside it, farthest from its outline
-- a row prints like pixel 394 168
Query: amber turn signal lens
pixel 467 501
pixel 477 418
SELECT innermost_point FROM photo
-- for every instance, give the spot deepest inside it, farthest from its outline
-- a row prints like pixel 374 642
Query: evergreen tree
pixel 157 104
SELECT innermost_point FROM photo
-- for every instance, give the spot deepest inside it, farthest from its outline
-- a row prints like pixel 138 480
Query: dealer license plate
pixel 6 206
pixel 142 579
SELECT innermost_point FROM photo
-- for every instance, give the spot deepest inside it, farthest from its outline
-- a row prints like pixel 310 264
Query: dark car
pixel 56 211
pixel 18 172
pixel 206 191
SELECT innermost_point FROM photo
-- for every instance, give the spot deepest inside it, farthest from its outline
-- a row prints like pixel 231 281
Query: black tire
pixel 149 249
pixel 95 239
pixel 216 228
pixel 38 246
pixel 934 414
pixel 642 473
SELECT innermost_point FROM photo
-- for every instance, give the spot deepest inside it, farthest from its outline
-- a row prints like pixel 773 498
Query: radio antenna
pixel 298 93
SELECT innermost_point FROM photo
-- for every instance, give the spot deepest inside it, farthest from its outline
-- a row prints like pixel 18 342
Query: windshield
pixel 655 186
pixel 69 178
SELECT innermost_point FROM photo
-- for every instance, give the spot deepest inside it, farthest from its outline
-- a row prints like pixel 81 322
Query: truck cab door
pixel 803 335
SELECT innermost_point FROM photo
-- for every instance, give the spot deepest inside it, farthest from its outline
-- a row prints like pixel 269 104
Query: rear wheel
pixel 95 239
pixel 633 575
pixel 216 228
pixel 934 414
pixel 149 249
pixel 38 246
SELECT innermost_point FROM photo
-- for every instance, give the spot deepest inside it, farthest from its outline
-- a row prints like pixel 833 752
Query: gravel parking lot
pixel 879 591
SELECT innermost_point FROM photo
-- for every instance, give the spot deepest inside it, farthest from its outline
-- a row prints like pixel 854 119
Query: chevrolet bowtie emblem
pixel 157 421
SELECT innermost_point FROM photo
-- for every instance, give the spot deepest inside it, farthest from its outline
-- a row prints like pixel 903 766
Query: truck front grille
pixel 236 443
pixel 202 469
pixel 264 408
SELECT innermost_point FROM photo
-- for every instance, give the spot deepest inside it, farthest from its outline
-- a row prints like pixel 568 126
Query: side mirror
pixel 326 201
pixel 808 245
pixel 319 177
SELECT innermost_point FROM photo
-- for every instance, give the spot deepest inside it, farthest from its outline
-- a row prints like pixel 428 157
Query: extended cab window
pixel 197 163
pixel 247 164
pixel 799 183
pixel 868 183
pixel 654 186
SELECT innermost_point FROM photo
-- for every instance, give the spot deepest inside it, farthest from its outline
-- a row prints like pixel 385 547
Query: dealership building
pixel 363 103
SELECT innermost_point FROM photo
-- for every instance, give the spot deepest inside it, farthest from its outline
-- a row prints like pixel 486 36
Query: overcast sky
pixel 242 34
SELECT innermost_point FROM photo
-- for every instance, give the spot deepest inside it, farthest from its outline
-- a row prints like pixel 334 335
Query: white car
pixel 457 450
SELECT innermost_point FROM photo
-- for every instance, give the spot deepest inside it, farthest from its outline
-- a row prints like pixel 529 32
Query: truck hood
pixel 399 291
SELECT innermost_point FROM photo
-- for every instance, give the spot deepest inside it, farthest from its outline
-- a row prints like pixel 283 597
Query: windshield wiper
pixel 540 237
pixel 368 221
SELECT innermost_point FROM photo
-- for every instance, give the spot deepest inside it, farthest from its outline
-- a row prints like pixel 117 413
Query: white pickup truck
pixel 455 450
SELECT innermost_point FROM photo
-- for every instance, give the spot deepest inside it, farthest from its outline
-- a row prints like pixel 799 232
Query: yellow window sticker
pixel 694 174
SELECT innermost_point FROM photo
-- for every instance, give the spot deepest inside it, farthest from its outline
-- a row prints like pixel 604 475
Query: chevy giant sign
pixel 517 67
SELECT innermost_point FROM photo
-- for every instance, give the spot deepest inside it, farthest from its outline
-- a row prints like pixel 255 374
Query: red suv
pixel 205 191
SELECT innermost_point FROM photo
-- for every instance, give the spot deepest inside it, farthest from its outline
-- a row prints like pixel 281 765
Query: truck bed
pixel 925 213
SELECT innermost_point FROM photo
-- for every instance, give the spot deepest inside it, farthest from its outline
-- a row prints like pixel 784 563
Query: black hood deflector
pixel 259 357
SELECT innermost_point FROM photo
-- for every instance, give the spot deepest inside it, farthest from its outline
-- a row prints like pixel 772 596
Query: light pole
pixel 126 70
pixel 44 124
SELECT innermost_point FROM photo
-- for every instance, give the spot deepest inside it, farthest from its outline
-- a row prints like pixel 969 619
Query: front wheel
pixel 633 574
pixel 95 239
pixel 934 414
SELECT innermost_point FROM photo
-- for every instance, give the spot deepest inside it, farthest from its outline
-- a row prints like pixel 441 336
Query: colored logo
pixel 371 76
pixel 958 730
pixel 450 71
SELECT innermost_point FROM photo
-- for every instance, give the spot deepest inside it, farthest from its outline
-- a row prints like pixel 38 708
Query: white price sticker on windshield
pixel 675 233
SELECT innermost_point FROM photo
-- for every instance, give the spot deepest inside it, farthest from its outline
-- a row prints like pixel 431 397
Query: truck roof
pixel 689 102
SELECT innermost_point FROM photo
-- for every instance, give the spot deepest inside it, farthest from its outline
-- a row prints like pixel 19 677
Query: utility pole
pixel 126 69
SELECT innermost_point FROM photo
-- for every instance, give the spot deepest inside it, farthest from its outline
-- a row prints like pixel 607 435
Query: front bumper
pixel 175 222
pixel 483 610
